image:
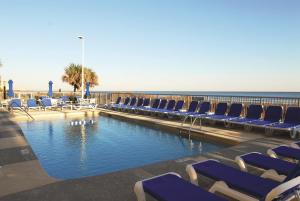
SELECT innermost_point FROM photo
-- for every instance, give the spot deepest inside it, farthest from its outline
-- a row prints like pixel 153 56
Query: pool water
pixel 72 151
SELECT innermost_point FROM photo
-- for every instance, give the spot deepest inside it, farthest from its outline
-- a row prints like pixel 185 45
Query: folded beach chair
pixel 274 168
pixel 273 114
pixel 290 124
pixel 15 104
pixel 241 185
pixel 284 151
pixel 171 187
pixel 191 110
pixel 253 113
pixel 86 104
pixel 31 104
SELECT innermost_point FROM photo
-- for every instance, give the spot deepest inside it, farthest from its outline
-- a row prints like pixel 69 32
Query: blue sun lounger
pixel 46 103
pixel 253 113
pixel 285 152
pixel 154 106
pixel 116 103
pixel 139 103
pixel 241 185
pixel 235 111
pixel 169 107
pixel 204 108
pixel 15 103
pixel 273 115
pixel 275 168
pixel 31 104
pixel 290 124
pixel 191 110
pixel 131 104
pixel 171 187
pixel 145 104
pixel 162 106
pixel 120 105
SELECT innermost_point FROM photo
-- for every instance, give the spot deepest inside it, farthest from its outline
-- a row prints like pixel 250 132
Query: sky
pixel 165 45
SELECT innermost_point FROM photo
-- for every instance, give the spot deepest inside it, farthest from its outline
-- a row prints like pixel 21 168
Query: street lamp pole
pixel 82 65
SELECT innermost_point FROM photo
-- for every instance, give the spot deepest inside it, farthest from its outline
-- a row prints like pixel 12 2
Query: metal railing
pixel 11 107
pixel 109 96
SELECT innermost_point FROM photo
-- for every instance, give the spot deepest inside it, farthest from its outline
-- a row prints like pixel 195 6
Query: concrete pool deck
pixel 23 178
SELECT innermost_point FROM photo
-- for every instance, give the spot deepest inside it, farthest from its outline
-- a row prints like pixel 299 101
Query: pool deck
pixel 22 177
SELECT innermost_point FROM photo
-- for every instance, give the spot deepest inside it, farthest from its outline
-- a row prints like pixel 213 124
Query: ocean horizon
pixel 218 93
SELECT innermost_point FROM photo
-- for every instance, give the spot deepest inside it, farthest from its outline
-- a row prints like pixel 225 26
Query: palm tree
pixel 73 76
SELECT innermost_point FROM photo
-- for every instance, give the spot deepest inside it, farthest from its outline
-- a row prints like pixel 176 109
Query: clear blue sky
pixel 222 45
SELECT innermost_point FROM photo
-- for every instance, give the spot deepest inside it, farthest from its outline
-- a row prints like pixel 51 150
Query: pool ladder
pixel 192 123
pixel 23 110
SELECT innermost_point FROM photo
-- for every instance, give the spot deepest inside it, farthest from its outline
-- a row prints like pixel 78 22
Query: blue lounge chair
pixel 162 106
pixel 116 103
pixel 235 111
pixel 65 99
pixel 221 109
pixel 139 103
pixel 290 124
pixel 131 104
pixel 170 107
pixel 253 113
pixel 275 168
pixel 273 114
pixel 120 105
pixel 285 152
pixel 31 104
pixel 145 105
pixel 46 103
pixel 241 185
pixel 15 104
pixel 154 106
pixel 204 108
pixel 171 187
pixel 191 110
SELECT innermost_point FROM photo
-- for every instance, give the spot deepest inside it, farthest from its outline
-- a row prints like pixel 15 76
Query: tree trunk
pixel 74 88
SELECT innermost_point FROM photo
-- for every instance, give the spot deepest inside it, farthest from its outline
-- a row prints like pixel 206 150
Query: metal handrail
pixel 20 107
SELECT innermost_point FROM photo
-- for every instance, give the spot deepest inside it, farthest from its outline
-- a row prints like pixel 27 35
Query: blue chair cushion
pixel 31 103
pixel 251 184
pixel 179 105
pixel 242 120
pixel 292 115
pixel 235 110
pixel 267 163
pixel 284 125
pixel 169 187
pixel 221 108
pixel 288 152
pixel 260 122
pixel 254 111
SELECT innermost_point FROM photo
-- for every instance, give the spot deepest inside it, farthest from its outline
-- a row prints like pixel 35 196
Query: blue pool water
pixel 108 145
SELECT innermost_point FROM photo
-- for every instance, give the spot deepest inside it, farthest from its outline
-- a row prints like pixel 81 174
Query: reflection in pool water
pixel 108 145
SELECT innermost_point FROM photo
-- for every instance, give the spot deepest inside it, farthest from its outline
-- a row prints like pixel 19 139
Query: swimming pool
pixel 72 151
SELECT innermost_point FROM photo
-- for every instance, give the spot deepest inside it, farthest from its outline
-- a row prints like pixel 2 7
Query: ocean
pixel 222 93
